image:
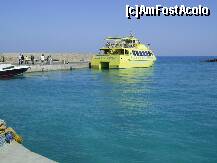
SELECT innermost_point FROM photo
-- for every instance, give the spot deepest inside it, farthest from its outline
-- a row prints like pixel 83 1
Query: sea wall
pixel 57 57
pixel 60 61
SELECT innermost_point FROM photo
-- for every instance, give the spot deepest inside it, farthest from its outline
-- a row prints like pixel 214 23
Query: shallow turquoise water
pixel 167 113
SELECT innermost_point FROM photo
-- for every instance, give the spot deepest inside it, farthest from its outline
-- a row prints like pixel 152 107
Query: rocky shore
pixel 12 150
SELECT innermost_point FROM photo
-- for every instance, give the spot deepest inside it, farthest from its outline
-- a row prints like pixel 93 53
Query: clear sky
pixel 81 26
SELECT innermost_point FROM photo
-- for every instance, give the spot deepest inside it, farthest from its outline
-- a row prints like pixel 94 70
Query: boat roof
pixel 115 48
pixel 121 38
pixel 130 38
pixel 113 38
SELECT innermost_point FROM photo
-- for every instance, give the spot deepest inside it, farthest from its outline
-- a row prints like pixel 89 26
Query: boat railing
pixel 110 46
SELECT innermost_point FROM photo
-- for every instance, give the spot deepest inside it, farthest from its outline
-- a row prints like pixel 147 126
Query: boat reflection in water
pixel 130 87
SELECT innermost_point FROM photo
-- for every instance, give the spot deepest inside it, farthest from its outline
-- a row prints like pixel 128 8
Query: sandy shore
pixel 17 153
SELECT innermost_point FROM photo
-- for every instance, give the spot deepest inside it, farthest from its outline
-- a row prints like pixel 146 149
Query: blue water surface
pixel 167 113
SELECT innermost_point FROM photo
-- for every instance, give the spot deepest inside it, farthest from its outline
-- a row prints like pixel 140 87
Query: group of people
pixel 26 59
pixel 48 60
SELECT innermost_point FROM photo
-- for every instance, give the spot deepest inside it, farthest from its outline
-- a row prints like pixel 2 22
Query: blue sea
pixel 166 113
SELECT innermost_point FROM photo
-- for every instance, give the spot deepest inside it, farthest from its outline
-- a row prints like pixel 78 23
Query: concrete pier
pixel 17 153
pixel 57 57
pixel 56 67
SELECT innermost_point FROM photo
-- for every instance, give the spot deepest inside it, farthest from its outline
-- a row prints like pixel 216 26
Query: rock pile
pixel 7 134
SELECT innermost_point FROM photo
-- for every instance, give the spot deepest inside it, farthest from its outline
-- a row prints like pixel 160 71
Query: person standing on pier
pixel 42 59
pixel 22 59
pixel 50 60
pixel 32 59
pixel 19 58
pixel 26 59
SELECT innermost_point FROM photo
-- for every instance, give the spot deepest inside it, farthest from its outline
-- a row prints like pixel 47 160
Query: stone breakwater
pixel 60 61
pixel 56 57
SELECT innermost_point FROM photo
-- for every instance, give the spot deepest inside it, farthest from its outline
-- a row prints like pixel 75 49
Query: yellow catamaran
pixel 123 52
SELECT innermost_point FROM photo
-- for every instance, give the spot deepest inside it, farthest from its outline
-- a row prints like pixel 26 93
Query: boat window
pixel 5 68
pixel 141 53
pixel 117 51
pixel 133 52
pixel 136 53
pixel 149 53
pixel 104 51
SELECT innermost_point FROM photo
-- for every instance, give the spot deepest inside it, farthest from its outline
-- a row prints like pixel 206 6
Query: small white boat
pixel 9 70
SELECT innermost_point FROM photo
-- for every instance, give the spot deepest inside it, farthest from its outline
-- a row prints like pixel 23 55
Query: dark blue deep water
pixel 167 113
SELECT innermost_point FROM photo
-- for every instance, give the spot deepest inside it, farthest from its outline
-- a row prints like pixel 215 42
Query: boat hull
pixel 12 73
pixel 121 61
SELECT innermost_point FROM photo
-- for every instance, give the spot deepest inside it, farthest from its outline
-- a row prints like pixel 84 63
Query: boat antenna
pixel 131 34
